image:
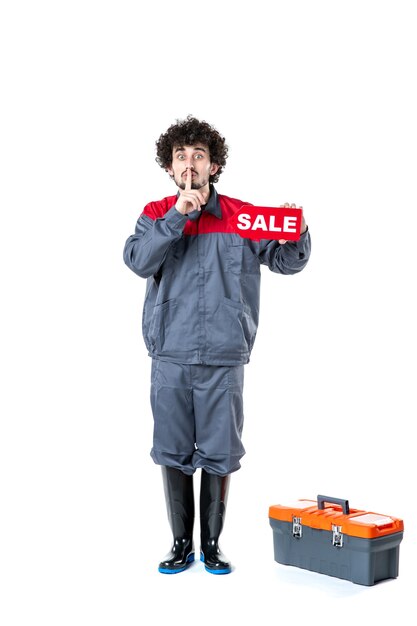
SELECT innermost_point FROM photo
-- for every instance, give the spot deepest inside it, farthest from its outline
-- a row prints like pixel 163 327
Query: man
pixel 199 324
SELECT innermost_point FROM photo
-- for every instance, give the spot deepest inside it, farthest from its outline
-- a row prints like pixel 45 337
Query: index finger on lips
pixel 188 179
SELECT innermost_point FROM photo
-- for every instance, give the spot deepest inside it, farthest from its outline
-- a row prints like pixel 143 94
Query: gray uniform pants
pixel 198 416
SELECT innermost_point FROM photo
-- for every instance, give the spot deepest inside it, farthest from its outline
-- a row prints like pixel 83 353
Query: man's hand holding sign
pixel 256 222
pixel 303 227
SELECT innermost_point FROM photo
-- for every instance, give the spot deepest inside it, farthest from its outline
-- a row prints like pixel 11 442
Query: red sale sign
pixel 261 222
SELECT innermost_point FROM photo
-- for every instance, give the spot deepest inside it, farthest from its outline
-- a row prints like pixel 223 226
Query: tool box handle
pixel 343 503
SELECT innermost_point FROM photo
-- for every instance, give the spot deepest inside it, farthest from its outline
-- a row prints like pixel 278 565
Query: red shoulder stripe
pixel 159 208
pixel 207 223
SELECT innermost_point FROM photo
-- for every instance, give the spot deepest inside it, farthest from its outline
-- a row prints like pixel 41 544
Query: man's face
pixel 197 158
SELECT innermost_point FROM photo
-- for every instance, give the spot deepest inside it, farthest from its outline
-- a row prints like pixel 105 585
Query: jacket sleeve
pixel 287 258
pixel 145 251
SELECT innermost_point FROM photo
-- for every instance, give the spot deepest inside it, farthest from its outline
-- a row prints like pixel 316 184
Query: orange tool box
pixel 329 537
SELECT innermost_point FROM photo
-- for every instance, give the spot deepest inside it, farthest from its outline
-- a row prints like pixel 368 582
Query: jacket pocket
pixel 232 330
pixel 241 259
pixel 161 323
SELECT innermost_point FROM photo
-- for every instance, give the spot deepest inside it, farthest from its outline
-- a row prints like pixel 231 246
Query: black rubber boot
pixel 213 500
pixel 179 497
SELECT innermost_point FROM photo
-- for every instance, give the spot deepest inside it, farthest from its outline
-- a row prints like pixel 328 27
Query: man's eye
pixel 198 156
pixel 180 157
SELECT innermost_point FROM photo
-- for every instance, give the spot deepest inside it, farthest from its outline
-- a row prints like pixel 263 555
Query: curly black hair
pixel 189 132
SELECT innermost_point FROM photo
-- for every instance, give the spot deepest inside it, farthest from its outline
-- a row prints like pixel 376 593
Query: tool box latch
pixel 337 536
pixel 297 529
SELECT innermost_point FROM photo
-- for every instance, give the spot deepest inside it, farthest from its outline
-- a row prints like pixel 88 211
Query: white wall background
pixel 317 102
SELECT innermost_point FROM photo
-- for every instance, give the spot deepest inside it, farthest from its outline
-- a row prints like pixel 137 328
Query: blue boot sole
pixel 226 570
pixel 167 570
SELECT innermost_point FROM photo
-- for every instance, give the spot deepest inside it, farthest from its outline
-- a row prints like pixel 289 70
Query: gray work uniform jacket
pixel 203 280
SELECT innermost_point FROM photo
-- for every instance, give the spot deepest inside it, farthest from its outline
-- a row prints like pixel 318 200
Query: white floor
pixel 92 558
